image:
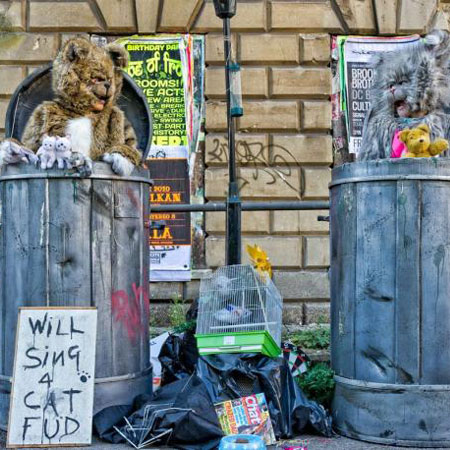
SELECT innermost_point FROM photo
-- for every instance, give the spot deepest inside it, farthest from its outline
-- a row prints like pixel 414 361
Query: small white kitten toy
pixel 46 152
pixel 63 150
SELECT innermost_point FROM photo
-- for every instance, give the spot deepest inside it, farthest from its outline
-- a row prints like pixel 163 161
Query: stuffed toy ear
pixel 376 59
pixel 403 136
pixel 436 39
pixel 118 54
pixel 76 49
pixel 424 127
pixel 438 43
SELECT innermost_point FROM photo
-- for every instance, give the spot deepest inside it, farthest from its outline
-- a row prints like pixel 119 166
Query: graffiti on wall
pixel 274 160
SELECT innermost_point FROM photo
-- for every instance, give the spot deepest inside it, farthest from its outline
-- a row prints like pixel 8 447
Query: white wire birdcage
pixel 236 299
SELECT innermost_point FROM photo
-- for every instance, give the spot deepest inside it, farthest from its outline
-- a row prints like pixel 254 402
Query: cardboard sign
pixel 53 383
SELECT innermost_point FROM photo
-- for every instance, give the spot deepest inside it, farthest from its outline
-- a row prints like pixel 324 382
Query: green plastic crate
pixel 241 342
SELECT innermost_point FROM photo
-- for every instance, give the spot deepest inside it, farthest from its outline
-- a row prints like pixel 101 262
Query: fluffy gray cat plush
pixel 411 86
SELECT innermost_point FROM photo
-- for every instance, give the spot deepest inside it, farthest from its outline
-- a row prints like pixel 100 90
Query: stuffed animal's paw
pixel 82 163
pixel 438 146
pixel 64 163
pixel 45 160
pixel 119 164
pixel 12 152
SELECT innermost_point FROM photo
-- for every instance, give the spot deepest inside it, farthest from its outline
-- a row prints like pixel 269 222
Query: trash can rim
pixel 371 385
pixel 389 178
pixel 65 175
pixel 400 169
pixel 21 173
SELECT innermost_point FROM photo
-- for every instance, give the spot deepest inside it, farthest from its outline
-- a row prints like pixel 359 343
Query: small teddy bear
pixel 418 143
pixel 63 150
pixel 47 152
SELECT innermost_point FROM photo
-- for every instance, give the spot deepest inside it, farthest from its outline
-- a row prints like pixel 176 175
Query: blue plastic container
pixel 242 442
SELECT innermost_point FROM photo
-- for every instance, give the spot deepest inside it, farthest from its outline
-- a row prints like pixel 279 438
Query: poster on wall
pixel 173 243
pixel 356 77
pixel 163 67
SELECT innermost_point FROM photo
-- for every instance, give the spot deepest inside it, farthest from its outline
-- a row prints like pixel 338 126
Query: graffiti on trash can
pixel 129 310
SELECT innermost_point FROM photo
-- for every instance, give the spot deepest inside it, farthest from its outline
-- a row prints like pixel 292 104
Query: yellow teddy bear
pixel 418 143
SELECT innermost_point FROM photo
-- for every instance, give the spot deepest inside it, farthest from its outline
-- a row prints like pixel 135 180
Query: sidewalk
pixel 314 443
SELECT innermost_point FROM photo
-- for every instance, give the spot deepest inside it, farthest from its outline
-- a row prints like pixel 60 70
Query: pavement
pixel 313 443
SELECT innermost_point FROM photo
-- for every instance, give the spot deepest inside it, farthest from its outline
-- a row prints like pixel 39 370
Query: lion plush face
pixel 86 78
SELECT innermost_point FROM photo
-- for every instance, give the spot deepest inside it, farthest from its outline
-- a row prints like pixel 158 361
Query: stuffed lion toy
pixel 86 81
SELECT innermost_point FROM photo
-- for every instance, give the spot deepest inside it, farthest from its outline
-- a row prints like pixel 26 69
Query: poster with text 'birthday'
pixel 163 67
pixel 53 382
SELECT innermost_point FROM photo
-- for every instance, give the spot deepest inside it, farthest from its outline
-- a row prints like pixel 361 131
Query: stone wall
pixel 284 143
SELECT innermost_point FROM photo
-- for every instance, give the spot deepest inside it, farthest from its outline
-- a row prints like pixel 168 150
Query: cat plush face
pixel 413 82
pixel 48 142
pixel 87 78
pixel 410 83
pixel 62 144
pixel 393 85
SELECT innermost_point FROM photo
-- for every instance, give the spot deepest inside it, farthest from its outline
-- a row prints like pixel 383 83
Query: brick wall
pixel 284 143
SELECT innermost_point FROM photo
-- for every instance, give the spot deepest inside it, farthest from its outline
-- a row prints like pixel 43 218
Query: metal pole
pixel 246 206
pixel 233 228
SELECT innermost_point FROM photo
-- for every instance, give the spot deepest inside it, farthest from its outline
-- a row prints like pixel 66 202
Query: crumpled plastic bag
pixel 191 387
pixel 232 376
pixel 178 357
pixel 180 414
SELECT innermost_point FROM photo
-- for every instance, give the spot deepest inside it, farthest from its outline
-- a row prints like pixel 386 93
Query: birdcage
pixel 239 312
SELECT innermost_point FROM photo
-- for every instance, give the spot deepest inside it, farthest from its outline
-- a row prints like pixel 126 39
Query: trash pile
pixel 227 379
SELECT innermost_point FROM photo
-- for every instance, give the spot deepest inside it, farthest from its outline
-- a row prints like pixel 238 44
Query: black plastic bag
pixel 180 413
pixel 178 357
pixel 231 376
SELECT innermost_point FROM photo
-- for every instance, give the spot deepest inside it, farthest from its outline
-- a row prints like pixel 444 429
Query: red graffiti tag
pixel 132 312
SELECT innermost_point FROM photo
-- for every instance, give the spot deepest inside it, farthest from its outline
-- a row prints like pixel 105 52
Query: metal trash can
pixel 71 241
pixel 390 300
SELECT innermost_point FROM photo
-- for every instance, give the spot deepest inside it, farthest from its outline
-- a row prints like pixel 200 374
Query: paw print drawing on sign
pixel 84 376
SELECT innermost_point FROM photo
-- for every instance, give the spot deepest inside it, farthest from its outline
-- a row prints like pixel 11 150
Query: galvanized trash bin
pixel 390 300
pixel 68 241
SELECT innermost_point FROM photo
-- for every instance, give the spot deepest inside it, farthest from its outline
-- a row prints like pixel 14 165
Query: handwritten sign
pixel 53 384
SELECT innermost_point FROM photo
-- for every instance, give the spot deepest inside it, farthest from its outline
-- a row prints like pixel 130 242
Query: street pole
pixel 233 227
